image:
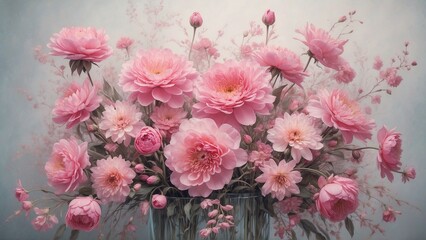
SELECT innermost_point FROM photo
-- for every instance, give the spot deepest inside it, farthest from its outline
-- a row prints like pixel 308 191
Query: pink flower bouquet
pixel 272 122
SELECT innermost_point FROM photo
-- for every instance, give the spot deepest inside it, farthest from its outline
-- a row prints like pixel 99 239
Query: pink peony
pixel 148 141
pixel 389 215
pixel 20 193
pixel 268 18
pixel 124 43
pixel 202 156
pixel 83 213
pixel 121 122
pixel 196 20
pixel 65 168
pixel 158 74
pixel 297 131
pixel 337 198
pixel 159 201
pixel 409 173
pixel 389 157
pixel 283 60
pixel 337 110
pixel 76 104
pixel 345 73
pixel 280 180
pixel 167 119
pixel 77 43
pixel 391 77
pixel 111 179
pixel 233 92
pixel 322 46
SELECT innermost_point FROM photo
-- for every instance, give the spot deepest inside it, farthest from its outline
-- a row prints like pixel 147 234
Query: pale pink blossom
pixel 342 19
pixel 158 75
pixel 167 119
pixel 283 60
pixel 390 150
pixel 27 206
pixel 389 215
pixel 322 46
pixel 202 156
pixel 158 201
pixel 409 173
pixel 144 207
pixel 44 220
pixel 111 147
pixel 345 73
pixel 378 63
pixel 83 213
pixel 297 131
pixel 337 110
pixel 233 93
pixel 121 122
pixel 65 168
pixel 205 232
pixel 20 193
pixel 279 180
pixel 196 20
pixel 124 43
pixel 391 77
pixel 262 155
pixel 77 43
pixel 291 204
pixel 76 104
pixel 268 17
pixel 148 140
pixel 337 198
pixel 111 179
pixel 376 99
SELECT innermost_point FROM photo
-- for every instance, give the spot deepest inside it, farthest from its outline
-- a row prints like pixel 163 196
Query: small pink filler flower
pixel 83 213
pixel 389 157
pixel 124 43
pixel 111 179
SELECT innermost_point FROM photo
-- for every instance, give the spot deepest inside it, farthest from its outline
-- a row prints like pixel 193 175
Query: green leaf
pixel 349 226
pixel 85 191
pixel 74 234
pixel 308 227
pixel 277 94
pixel 319 236
pixel 293 235
pixel 187 210
pixel 171 209
pixel 87 65
pixel 60 232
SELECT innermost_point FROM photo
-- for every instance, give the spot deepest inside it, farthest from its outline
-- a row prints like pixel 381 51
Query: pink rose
pixel 148 141
pixel 196 20
pixel 389 157
pixel 337 198
pixel 83 213
pixel 159 201
pixel 268 18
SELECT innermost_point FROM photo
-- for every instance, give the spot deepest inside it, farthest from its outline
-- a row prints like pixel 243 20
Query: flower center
pixel 121 122
pixel 295 136
pixel 204 157
pixel 281 180
pixel 113 179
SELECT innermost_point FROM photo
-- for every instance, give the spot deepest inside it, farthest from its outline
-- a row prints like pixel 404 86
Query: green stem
pixel 312 171
pixel 192 43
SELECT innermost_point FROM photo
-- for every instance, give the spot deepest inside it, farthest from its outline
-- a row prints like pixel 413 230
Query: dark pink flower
pixel 159 201
pixel 390 150
pixel 389 215
pixel 268 18
pixel 83 213
pixel 196 20
pixel 391 77
pixel 148 140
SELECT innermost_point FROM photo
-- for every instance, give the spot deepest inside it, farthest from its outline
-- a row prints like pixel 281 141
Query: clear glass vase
pixel 183 219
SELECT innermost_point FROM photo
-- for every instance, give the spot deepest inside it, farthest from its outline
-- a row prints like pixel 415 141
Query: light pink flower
pixel 345 73
pixel 322 46
pixel 158 74
pixel 65 167
pixel 44 220
pixel 391 77
pixel 121 122
pixel 111 179
pixel 376 99
pixel 337 110
pixel 76 104
pixel 27 206
pixel 283 60
pixel 124 43
pixel 148 140
pixel 83 213
pixel 389 215
pixel 280 180
pixel 297 131
pixel 378 63
pixel 268 17
pixel 291 204
pixel 167 119
pixel 77 43
pixel 262 155
pixel 202 156
pixel 389 157
pixel 159 201
pixel 233 93
pixel 337 198
pixel 144 207
pixel 20 193
pixel 409 173
pixel 196 20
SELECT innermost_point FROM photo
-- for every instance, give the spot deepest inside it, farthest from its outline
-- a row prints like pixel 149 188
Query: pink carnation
pixel 121 122
pixel 389 157
pixel 322 46
pixel 337 198
pixel 280 180
pixel 167 119
pixel 297 131
pixel 77 43
pixel 76 104
pixel 283 60
pixel 262 155
pixel 124 43
pixel 65 168
pixel 233 93
pixel 148 141
pixel 158 74
pixel 202 156
pixel 111 179
pixel 83 213
pixel 337 110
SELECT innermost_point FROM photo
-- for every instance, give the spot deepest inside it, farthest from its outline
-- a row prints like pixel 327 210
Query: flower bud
pixel 137 186
pixel 414 63
pixel 159 201
pixel 342 19
pixel 213 213
pixel 356 154
pixel 196 20
pixel 245 34
pixel 139 168
pixel 268 18
pixel 152 180
pixel 247 139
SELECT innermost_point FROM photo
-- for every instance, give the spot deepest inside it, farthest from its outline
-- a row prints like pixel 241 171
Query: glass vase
pixel 183 219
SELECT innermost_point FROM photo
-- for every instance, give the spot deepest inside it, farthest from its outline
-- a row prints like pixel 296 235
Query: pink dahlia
pixel 65 168
pixel 283 60
pixel 83 213
pixel 124 43
pixel 167 119
pixel 77 43
pixel 111 179
pixel 297 131
pixel 280 180
pixel 389 158
pixel 76 104
pixel 233 92
pixel 337 198
pixel 121 122
pixel 158 74
pixel 337 110
pixel 202 156
pixel 322 46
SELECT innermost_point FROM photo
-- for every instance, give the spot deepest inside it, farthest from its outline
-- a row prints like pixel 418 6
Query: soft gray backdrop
pixel 25 24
